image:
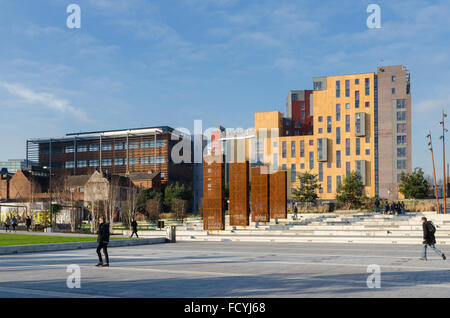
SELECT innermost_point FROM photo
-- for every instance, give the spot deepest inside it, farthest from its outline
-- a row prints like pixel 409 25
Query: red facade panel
pixel 239 207
pixel 213 184
pixel 278 195
pixel 260 194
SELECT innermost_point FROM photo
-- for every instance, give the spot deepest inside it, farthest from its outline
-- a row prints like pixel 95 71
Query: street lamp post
pixel 444 130
pixel 430 144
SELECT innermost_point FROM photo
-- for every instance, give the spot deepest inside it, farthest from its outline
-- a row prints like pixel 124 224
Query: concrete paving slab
pixel 230 269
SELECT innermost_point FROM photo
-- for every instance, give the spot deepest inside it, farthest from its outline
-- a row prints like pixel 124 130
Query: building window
pixel 358 124
pixel 338 112
pixel 284 149
pixel 347 146
pixel 119 162
pixel 294 97
pixel 82 164
pixel 358 146
pixel 367 140
pixel 82 148
pixel 347 123
pixel 328 164
pixel 338 88
pixel 303 115
pixel 93 147
pixel 320 130
pixel 283 167
pixel 317 86
pixel 357 81
pixel 311 160
pixel 367 86
pixel 401 152
pixel 401 103
pixel 347 88
pixel 338 135
pixel 302 148
pixel 133 145
pixel 70 149
pixel 320 119
pixel 145 144
pixel 93 163
pixel 302 166
pixel 328 124
pixel 293 173
pixel 311 142
pixel 393 78
pixel 401 116
pixel 401 128
pixel 367 104
pixel 393 90
pixel 401 164
pixel 106 162
pixel 320 172
pixel 302 105
pixel 338 182
pixel 292 149
pixel 356 99
pixel 120 145
pixel 367 151
pixel 70 164
pixel 347 106
pixel 338 159
pixel 107 146
pixel 133 161
pixel 163 175
pixel 347 169
pixel 329 184
pixel 145 160
pixel 401 140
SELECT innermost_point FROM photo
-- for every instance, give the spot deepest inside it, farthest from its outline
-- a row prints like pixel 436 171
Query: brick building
pixel 118 152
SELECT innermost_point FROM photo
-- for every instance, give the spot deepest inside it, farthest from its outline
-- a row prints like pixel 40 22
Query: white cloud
pixel 46 100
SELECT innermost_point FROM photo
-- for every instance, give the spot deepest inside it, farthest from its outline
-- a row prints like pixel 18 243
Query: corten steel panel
pixel 213 182
pixel 278 195
pixel 239 208
pixel 260 194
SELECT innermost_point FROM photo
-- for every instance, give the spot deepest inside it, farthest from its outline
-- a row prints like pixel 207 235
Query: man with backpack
pixel 103 240
pixel 429 239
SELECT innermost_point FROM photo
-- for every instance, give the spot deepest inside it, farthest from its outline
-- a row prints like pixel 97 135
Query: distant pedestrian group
pixel 11 222
pixel 394 208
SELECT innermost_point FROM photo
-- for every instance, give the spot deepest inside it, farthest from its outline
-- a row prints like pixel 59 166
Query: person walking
pixel 386 208
pixel 7 224
pixel 28 223
pixel 14 223
pixel 103 240
pixel 429 239
pixel 295 211
pixel 134 226
pixel 377 205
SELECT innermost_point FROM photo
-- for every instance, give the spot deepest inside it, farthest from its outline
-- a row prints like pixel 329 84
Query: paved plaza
pixel 230 269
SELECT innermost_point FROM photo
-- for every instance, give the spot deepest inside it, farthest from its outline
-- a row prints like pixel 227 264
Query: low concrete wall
pixel 7 250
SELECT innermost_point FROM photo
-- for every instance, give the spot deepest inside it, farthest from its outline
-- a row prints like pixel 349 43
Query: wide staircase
pixel 369 228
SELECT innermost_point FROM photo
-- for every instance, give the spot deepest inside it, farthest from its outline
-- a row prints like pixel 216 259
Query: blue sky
pixel 140 63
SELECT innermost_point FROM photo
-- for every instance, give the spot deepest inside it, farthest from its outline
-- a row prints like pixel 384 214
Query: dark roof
pixel 163 128
pixel 77 181
pixel 143 176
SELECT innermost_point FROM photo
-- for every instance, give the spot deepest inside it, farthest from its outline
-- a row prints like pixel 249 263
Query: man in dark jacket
pixel 134 226
pixel 103 240
pixel 429 239
pixel 28 223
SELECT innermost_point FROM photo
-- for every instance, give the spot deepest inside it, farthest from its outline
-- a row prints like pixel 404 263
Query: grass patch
pixel 23 239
